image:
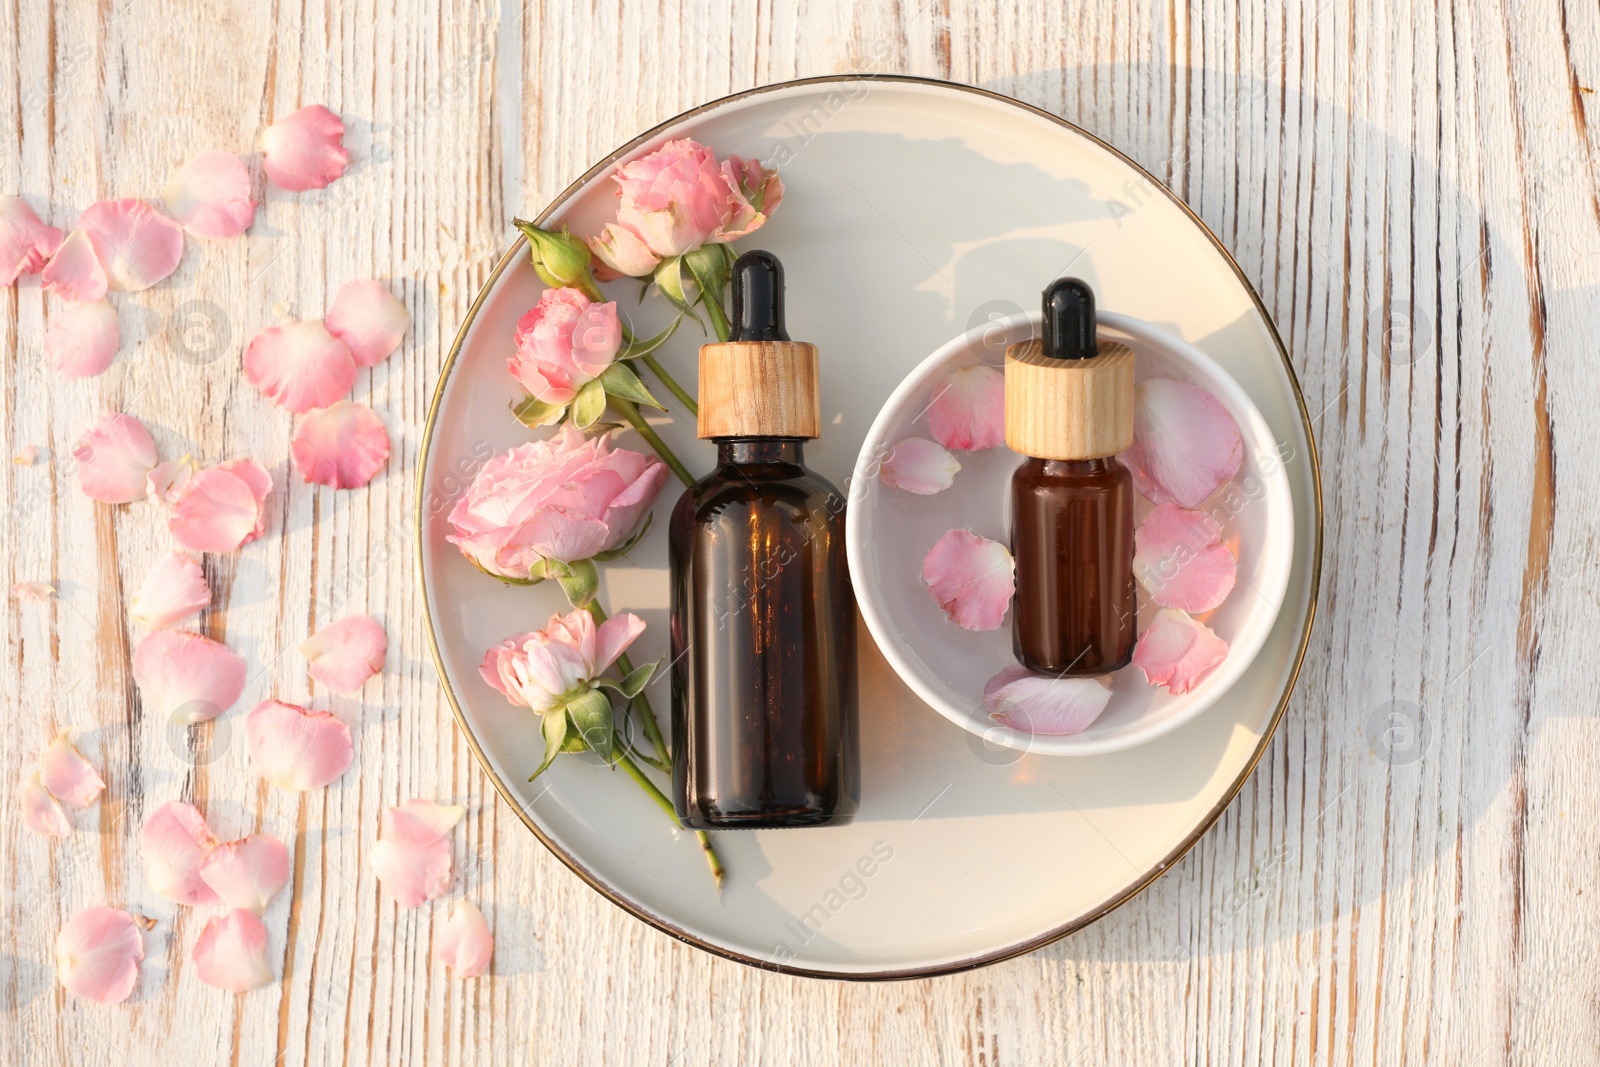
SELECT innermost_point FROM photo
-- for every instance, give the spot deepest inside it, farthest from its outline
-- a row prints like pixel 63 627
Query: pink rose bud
pixel 563 343
pixel 558 257
pixel 540 669
pixel 567 498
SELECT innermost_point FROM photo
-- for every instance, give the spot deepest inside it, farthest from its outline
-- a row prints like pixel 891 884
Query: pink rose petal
pixel 231 953
pixel 346 653
pixel 174 589
pixel 74 273
pixel 175 841
pixel 461 940
pixel 295 749
pixel 39 592
pixel 369 319
pixel 210 195
pixel 247 873
pixel 42 812
pixel 968 409
pixel 185 677
pixel 919 466
pixel 167 480
pixel 136 245
pixel 1180 559
pixel 972 579
pixel 82 339
pixel 1040 704
pixel 299 366
pixel 98 953
pixel 342 446
pixel 304 149
pixel 25 242
pixel 68 775
pixel 1185 444
pixel 412 858
pixel 27 457
pixel 113 456
pixel 221 508
pixel 1175 651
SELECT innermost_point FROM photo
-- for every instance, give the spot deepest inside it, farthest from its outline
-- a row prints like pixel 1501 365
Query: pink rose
pixel 567 498
pixel 680 197
pixel 564 342
pixel 539 669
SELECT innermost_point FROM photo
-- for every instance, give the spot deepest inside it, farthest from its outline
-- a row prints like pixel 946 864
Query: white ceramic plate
pixel 914 210
pixel 890 530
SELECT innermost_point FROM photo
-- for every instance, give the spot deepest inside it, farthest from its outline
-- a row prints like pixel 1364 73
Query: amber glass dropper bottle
pixel 763 618
pixel 1069 408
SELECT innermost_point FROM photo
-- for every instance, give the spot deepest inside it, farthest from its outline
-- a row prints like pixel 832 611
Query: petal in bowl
pixel 972 578
pixel 1041 704
pixel 1176 651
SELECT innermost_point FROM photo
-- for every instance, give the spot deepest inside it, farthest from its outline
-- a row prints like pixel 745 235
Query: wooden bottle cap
pixel 759 389
pixel 1069 408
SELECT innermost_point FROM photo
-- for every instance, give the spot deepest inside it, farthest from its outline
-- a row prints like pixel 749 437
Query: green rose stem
pixel 629 411
pixel 652 729
pixel 688 402
pixel 712 859
pixel 719 320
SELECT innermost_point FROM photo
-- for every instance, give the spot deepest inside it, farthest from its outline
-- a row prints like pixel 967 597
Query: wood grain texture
pixel 1412 188
pixel 759 389
pixel 1069 409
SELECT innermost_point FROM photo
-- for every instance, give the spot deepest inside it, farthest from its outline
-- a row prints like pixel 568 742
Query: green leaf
pixel 589 405
pixel 634 681
pixel 554 727
pixel 591 714
pixel 622 550
pixel 669 279
pixel 619 380
pixel 636 347
pixel 708 265
pixel 578 580
pixel 535 413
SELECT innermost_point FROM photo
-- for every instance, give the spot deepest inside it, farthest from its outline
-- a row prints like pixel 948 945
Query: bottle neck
pixel 1098 465
pixel 750 451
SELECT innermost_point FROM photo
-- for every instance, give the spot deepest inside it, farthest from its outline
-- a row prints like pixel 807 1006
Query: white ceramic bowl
pixel 888 531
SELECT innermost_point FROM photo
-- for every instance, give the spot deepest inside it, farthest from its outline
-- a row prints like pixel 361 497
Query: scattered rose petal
pixel 185 677
pixel 68 775
pixel 25 242
pixel 222 508
pixel 369 319
pixel 98 953
pixel 299 366
pixel 210 195
pixel 346 653
pixel 247 873
pixel 919 466
pixel 1040 704
pixel 38 592
pixel 27 457
pixel 114 455
pixel 231 953
pixel 1185 444
pixel 167 480
pixel 341 446
pixel 972 579
pixel 74 273
pixel 295 749
pixel 1180 559
pixel 304 149
pixel 175 841
pixel 174 589
pixel 412 857
pixel 1175 651
pixel 461 940
pixel 136 245
pixel 42 812
pixel 968 409
pixel 82 339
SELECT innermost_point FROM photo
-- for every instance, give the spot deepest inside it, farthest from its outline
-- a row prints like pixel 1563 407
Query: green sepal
pixel 559 259
pixel 620 381
pixel 530 580
pixel 709 266
pixel 621 550
pixel 554 726
pixel 631 684
pixel 578 580
pixel 591 714
pixel 589 405
pixel 669 279
pixel 534 413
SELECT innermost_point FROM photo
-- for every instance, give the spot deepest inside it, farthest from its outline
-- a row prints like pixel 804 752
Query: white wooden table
pixel 1415 196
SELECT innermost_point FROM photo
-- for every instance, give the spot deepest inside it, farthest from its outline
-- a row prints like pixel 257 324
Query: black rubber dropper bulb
pixel 1069 328
pixel 758 298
